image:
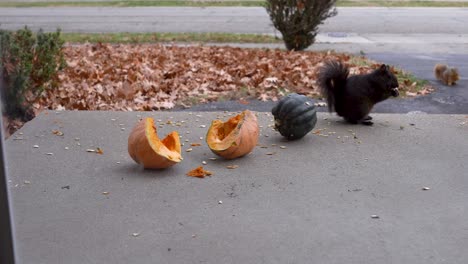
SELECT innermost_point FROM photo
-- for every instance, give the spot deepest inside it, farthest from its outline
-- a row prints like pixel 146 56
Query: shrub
pixel 298 20
pixel 30 63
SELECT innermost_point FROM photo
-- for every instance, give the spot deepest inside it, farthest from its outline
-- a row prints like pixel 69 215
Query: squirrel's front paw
pixel 367 122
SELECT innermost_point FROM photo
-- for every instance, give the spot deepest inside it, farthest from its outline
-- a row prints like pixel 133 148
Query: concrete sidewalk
pixel 309 203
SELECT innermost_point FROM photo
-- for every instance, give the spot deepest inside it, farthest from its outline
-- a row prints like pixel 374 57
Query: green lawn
pixel 168 37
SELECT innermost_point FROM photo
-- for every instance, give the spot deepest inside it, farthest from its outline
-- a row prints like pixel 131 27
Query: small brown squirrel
pixel 446 74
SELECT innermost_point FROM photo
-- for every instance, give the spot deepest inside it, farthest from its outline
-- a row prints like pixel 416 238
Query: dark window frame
pixel 7 255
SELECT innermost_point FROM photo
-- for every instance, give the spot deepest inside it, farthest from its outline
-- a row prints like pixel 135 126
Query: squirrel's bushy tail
pixel 439 70
pixel 332 80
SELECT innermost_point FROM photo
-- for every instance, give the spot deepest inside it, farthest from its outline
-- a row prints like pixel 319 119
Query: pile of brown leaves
pixel 150 77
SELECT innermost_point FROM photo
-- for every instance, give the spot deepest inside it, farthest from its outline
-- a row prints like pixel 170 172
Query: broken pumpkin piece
pixel 99 151
pixel 199 172
pixel 57 132
pixel 195 144
pixel 317 132
pixel 145 147
pixel 234 138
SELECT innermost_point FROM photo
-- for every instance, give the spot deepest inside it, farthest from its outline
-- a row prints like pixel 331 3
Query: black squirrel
pixel 353 97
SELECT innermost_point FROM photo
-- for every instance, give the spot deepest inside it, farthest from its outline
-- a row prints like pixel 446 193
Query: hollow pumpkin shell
pixel 145 147
pixel 234 138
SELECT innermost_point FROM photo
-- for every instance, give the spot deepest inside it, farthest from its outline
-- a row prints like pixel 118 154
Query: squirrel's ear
pixel 383 68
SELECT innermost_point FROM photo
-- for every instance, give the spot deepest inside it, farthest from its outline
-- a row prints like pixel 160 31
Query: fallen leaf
pixel 244 102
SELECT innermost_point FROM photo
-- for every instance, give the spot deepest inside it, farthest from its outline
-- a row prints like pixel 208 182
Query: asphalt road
pixel 369 29
pixel 232 19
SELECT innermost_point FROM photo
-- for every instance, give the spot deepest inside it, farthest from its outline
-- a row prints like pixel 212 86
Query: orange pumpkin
pixel 145 147
pixel 235 137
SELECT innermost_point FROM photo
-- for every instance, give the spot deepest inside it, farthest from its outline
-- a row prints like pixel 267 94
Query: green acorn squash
pixel 295 116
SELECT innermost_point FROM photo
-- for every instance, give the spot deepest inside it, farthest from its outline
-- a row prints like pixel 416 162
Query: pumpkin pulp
pixel 169 147
pixel 222 135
